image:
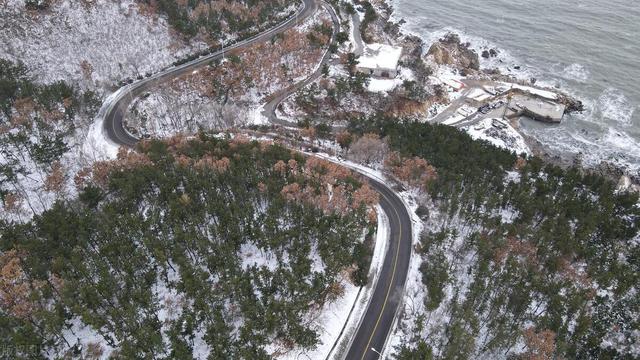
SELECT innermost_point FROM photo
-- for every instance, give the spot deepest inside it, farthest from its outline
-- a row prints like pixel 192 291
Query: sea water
pixel 587 48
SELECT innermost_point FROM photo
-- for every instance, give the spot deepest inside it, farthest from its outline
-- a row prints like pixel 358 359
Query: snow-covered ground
pixel 86 147
pixel 478 94
pixel 460 262
pixel 438 318
pixel 335 322
pixel 166 112
pixel 90 43
pixel 449 78
pixel 355 42
pixel 531 90
pixel 461 113
pixel 379 56
pixel 500 133
pixel 191 103
pixel 383 85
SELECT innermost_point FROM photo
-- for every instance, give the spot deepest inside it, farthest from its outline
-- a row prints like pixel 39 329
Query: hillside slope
pixel 196 248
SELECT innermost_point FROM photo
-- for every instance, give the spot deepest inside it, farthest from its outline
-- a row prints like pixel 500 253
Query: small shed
pixel 380 60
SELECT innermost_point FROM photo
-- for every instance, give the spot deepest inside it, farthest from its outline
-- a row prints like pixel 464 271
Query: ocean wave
pixel 576 72
pixel 615 106
pixel 504 61
pixel 622 142
pixel 614 146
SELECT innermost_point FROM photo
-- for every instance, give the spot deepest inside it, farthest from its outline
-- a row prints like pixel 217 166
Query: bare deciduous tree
pixel 369 149
pixel 540 345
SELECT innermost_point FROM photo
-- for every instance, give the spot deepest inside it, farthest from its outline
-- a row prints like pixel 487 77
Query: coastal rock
pixel 440 54
pixel 610 170
pixel 412 46
pixel 450 51
pixel 572 105
pixel 489 53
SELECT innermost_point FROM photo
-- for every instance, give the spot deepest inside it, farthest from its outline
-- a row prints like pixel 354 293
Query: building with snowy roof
pixel 380 60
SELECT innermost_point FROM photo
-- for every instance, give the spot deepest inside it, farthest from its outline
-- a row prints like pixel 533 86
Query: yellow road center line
pixel 393 275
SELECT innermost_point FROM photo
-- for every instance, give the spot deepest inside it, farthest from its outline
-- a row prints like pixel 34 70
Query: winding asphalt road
pixel 270 107
pixel 115 107
pixel 378 320
pixel 375 327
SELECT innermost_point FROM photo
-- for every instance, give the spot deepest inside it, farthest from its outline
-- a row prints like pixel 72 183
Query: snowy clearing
pixel 499 133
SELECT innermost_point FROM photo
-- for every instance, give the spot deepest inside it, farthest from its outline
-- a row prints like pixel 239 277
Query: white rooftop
pixel 380 56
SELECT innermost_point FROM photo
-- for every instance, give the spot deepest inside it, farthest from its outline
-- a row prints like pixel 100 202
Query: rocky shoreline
pixel 609 170
pixel 450 51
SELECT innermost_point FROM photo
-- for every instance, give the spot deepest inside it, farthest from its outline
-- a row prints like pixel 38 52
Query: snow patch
pixel 97 146
pixel 380 56
pixel 532 90
pixel 500 134
pixel 383 85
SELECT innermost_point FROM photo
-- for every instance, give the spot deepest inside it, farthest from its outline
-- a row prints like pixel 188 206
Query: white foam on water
pixel 576 72
pixel 612 145
pixel 614 105
pixel 622 142
pixel 504 61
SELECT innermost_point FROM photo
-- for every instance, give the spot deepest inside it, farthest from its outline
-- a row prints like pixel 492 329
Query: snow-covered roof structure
pixel 380 58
